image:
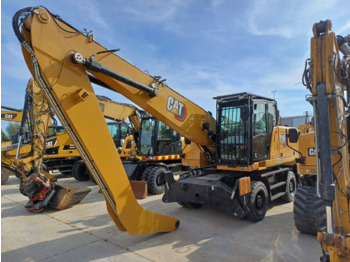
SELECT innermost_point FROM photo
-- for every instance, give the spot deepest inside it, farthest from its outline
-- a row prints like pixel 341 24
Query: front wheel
pixel 152 175
pixel 309 210
pixel 80 172
pixel 291 187
pixel 258 201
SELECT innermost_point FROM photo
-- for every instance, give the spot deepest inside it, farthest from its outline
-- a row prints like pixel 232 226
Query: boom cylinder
pixel 96 66
pixel 327 187
pixel 23 121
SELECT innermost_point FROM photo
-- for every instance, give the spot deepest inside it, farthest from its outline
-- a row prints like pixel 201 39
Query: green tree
pixel 12 129
pixel 4 137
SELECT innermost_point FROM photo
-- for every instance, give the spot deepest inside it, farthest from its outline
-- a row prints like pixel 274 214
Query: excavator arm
pixel 68 90
pixel 11 114
pixel 119 111
pixel 327 78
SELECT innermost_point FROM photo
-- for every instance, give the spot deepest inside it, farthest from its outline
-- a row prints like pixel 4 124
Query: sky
pixel 204 48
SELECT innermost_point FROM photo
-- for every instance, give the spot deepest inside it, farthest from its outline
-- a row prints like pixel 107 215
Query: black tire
pixel 152 175
pixel 291 187
pixel 80 172
pixel 257 202
pixel 309 211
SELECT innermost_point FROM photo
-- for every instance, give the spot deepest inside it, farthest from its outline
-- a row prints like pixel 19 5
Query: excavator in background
pixel 246 158
pixel 29 159
pixel 322 200
pixel 150 148
pixel 60 152
pixel 159 148
pixel 11 114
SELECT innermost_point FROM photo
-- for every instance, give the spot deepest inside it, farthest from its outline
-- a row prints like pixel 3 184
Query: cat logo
pixel 177 108
pixel 8 116
pixel 312 151
pixel 51 142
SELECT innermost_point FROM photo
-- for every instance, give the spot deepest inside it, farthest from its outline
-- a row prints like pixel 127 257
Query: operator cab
pixel 119 130
pixel 244 128
pixel 156 138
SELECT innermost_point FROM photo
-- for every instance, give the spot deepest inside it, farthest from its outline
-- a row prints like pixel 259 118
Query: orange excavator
pixel 244 159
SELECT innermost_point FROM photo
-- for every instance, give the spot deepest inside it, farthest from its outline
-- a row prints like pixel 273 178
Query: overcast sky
pixel 203 48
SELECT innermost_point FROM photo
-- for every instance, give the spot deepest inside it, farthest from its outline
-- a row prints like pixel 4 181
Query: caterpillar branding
pixel 51 142
pixel 312 151
pixel 8 116
pixel 177 108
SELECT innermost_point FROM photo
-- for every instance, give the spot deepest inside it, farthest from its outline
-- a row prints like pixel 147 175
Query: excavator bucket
pixel 66 196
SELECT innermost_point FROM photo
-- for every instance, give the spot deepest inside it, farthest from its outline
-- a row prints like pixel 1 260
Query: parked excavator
pixel 159 148
pixel 322 200
pixel 246 158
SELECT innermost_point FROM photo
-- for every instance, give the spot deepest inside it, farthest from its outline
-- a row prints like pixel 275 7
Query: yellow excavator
pixel 322 201
pixel 245 158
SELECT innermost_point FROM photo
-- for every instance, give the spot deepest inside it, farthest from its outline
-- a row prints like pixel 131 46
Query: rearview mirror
pixel 293 135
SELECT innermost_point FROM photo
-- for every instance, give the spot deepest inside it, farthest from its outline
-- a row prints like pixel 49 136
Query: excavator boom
pixel 68 90
pixel 327 78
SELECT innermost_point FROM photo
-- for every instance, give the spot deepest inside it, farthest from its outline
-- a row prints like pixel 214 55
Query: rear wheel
pixel 80 172
pixel 152 175
pixel 258 201
pixel 291 187
pixel 308 209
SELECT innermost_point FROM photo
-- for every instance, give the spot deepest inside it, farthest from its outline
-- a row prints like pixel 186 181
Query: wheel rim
pixel 158 180
pixel 259 200
pixel 291 186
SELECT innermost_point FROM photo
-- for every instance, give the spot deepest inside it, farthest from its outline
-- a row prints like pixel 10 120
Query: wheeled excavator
pixel 152 148
pixel 248 158
pixel 326 192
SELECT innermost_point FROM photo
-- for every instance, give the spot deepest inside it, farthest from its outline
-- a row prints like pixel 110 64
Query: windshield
pixel 233 134
pixel 146 136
